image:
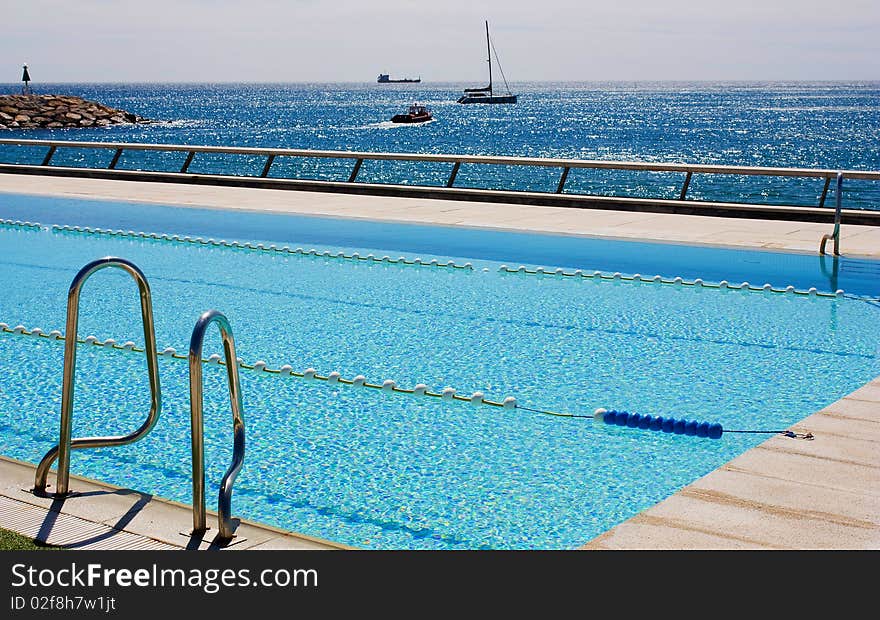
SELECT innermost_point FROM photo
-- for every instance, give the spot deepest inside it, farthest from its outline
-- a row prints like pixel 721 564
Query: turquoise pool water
pixel 379 470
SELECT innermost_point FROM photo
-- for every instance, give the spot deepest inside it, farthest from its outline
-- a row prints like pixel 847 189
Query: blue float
pixel 691 428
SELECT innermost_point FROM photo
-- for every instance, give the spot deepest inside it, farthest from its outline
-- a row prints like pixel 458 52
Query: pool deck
pixel 784 494
pixel 100 516
pixel 690 229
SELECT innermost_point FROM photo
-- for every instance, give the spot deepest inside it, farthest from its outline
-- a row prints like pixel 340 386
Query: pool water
pixel 377 470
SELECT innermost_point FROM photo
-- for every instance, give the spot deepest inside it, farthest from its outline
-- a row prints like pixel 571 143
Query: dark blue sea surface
pixel 787 124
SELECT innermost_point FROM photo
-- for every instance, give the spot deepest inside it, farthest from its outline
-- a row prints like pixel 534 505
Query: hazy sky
pixel 441 40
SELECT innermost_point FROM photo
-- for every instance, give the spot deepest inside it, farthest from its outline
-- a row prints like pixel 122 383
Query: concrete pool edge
pixel 779 235
pixel 782 494
pixel 135 518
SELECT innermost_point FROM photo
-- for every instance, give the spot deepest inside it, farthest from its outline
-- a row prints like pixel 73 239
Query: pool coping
pixel 775 495
pixel 99 511
pixel 701 230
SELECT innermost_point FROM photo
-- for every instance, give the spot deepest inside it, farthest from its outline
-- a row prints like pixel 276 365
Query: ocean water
pixel 789 124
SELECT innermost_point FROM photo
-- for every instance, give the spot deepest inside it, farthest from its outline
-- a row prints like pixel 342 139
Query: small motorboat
pixel 417 114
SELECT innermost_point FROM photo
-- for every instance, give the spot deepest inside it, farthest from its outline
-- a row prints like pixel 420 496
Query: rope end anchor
pixel 792 435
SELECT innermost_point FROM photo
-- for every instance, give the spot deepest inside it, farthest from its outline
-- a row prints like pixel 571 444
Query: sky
pixel 439 40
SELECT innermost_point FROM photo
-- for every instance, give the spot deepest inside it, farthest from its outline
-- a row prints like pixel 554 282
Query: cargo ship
pixel 384 78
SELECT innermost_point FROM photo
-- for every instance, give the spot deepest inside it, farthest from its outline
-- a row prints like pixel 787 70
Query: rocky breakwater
pixel 59 112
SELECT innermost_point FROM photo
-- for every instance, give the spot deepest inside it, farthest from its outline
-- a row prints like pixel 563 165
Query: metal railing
pixel 565 165
pixel 65 443
pixel 224 502
pixel 835 235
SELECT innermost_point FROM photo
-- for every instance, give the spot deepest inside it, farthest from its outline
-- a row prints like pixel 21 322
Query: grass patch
pixel 10 541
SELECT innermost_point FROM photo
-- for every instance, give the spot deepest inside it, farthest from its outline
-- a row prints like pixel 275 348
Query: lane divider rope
pixel 389 385
pixel 260 247
pixel 401 260
pixel 681 426
pixel 619 277
pixel 620 418
pixel 20 224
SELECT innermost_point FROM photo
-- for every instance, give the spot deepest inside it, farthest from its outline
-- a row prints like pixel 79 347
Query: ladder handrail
pixel 65 443
pixel 835 235
pixel 224 502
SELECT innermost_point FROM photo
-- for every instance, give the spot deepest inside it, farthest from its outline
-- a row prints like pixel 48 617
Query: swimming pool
pixel 385 470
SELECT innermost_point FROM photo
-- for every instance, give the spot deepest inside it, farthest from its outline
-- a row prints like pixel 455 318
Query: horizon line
pixel 360 82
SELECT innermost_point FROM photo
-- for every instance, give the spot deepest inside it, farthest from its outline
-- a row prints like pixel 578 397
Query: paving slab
pixel 670 535
pixel 102 516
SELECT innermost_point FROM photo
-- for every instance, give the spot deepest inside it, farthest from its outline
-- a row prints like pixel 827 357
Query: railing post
pixel 684 188
pixel 457 160
pixel 188 161
pixel 49 155
pixel 562 179
pixel 268 165
pixel 824 191
pixel 357 167
pixel 115 159
pixel 453 174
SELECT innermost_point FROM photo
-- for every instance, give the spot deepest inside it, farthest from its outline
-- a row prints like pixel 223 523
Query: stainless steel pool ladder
pixel 65 443
pixel 224 502
pixel 835 235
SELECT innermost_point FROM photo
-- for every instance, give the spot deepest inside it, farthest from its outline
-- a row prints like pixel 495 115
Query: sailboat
pixel 487 93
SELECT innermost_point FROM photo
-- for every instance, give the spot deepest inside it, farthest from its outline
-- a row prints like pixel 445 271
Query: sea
pixel 833 125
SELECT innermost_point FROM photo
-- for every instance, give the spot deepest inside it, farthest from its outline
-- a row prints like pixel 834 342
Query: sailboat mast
pixel 489 56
